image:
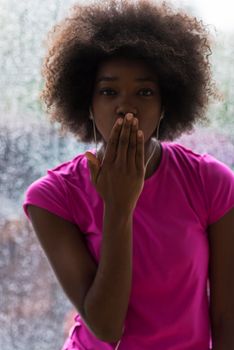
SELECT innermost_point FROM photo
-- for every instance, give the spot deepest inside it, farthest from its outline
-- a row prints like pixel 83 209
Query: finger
pixel 140 152
pixel 132 145
pixel 124 141
pixel 112 144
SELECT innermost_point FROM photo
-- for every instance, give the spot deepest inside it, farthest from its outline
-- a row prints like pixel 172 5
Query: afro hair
pixel 176 45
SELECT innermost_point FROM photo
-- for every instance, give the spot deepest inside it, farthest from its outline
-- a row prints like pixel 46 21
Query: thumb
pixel 93 164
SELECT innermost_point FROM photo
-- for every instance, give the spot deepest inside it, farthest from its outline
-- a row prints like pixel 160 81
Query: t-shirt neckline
pixel 159 169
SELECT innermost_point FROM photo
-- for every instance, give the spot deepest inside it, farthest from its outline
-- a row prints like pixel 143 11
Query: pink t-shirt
pixel 169 301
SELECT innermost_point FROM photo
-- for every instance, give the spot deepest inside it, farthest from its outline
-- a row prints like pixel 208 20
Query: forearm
pixel 106 302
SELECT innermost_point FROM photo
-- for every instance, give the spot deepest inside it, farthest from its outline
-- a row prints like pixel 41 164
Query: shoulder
pixel 55 190
pixel 207 163
pixel 74 166
pixel 215 179
pixel 181 151
pixel 183 159
pixel 73 173
pixel 56 176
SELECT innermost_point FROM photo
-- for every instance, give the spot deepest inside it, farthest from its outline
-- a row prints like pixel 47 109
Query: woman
pixel 129 228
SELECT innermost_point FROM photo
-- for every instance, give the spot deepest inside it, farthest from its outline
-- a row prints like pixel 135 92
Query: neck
pixel 151 146
pixel 155 147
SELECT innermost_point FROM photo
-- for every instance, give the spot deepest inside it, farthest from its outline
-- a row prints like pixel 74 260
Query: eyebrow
pixel 141 79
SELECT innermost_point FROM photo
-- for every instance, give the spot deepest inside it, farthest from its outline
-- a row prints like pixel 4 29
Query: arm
pixel 221 274
pixel 99 293
pixel 107 300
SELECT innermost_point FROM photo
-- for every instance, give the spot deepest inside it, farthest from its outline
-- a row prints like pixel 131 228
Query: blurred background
pixel 34 311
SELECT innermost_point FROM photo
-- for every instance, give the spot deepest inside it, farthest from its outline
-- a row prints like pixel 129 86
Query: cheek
pixel 102 112
pixel 104 127
pixel 148 123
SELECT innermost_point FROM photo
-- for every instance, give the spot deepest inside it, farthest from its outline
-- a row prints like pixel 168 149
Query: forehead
pixel 122 66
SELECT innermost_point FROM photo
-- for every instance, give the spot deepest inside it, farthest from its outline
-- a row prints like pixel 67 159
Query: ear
pixel 91 114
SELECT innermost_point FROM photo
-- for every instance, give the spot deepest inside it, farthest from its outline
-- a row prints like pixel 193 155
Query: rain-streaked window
pixel 34 311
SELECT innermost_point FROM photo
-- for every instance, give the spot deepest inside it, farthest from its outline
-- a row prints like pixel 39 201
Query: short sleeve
pixel 49 192
pixel 218 184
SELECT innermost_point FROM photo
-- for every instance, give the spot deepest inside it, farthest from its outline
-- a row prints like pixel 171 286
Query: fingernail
pixel 129 116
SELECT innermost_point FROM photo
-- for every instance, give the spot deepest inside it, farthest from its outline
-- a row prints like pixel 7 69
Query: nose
pixel 123 110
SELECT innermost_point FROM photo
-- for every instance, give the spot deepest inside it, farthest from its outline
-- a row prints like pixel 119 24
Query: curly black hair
pixel 176 46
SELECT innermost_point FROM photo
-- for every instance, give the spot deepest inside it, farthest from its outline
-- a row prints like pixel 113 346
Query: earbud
pixel 90 114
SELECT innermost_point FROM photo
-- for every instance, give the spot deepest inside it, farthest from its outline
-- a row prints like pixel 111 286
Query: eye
pixel 107 92
pixel 146 92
